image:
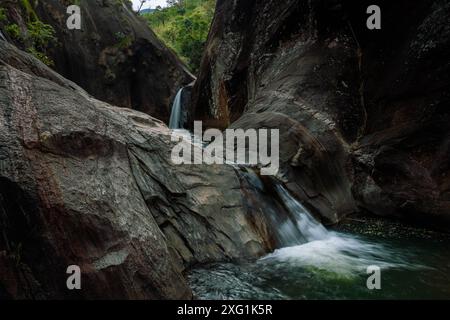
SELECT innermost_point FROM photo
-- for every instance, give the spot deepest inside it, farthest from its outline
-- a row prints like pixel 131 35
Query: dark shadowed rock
pixel 85 183
pixel 363 114
pixel 115 56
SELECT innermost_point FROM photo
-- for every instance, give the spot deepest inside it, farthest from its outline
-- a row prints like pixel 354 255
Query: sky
pixel 149 4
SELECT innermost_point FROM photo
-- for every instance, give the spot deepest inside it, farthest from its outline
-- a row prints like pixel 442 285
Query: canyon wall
pixel 86 183
pixel 363 114
pixel 115 56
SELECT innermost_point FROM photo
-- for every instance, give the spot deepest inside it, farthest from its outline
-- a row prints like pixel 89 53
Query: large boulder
pixel 115 56
pixel 363 114
pixel 89 184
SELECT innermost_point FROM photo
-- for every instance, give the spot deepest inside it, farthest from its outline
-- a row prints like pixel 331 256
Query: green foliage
pixel 29 9
pixel 124 41
pixel 184 27
pixel 41 34
pixel 2 15
pixel 36 37
pixel 13 31
pixel 41 56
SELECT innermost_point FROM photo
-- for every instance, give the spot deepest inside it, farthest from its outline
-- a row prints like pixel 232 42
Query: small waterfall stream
pixel 283 227
pixel 176 119
pixel 316 246
pixel 312 262
pixel 2 37
pixel 308 226
pixel 315 263
pixel 298 226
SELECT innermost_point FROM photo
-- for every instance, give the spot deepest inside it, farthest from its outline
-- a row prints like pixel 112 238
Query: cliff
pixel 114 56
pixel 85 183
pixel 363 114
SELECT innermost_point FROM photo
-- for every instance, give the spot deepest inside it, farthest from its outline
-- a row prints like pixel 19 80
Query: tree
pixel 142 4
pixel 172 3
pixel 184 27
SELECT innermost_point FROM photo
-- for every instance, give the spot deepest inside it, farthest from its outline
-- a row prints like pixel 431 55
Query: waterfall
pixel 176 116
pixel 308 226
pixel 333 251
pixel 309 259
pixel 2 37
pixel 290 227
pixel 281 225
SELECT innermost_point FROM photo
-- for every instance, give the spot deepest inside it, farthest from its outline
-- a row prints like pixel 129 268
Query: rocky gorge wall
pixel 115 56
pixel 363 114
pixel 86 183
pixel 363 117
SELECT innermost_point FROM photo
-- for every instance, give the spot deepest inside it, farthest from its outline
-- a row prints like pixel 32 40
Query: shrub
pixel 2 15
pixel 41 56
pixel 184 27
pixel 13 31
pixel 41 34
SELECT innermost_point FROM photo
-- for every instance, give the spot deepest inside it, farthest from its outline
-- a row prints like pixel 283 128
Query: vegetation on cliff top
pixel 184 27
pixel 31 34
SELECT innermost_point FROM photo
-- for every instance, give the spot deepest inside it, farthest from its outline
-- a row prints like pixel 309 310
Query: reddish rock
pixel 89 184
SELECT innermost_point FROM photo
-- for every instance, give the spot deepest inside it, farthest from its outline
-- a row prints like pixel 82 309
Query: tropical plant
pixel 184 27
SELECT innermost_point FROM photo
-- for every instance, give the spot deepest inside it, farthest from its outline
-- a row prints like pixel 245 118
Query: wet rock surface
pixel 363 119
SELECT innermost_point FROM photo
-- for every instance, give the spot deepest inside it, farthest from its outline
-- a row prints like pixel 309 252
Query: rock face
pixel 115 56
pixel 363 113
pixel 85 183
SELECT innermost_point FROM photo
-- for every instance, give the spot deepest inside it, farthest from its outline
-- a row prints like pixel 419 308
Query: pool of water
pixel 334 267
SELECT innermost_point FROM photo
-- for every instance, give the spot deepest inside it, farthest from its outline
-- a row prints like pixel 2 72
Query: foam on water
pixel 335 252
pixel 340 254
pixel 316 263
pixel 309 227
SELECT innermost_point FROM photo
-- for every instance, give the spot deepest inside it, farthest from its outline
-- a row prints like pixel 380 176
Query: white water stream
pixel 177 109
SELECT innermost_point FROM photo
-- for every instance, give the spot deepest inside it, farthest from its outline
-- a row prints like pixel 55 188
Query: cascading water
pixel 2 37
pixel 315 263
pixel 298 231
pixel 311 262
pixel 177 109
pixel 309 227
pixel 333 251
pixel 283 228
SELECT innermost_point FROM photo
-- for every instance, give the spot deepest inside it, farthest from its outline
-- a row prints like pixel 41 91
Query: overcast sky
pixel 149 4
